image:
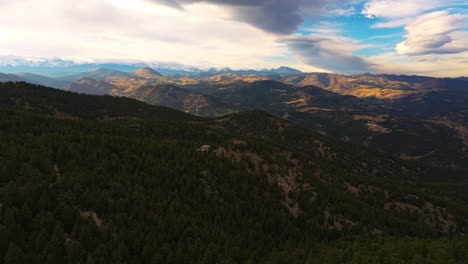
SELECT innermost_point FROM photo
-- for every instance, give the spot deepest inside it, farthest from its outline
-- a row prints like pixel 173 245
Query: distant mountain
pixel 405 78
pixel 99 74
pixel 181 99
pixel 226 78
pixel 58 68
pixel 10 78
pixel 196 72
pixel 283 70
pixel 66 68
pixel 91 86
pixel 363 86
pixel 381 86
pixel 43 80
pixel 148 73
pixel 103 73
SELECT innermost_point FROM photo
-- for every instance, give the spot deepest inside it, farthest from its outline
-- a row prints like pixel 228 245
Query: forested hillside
pixel 412 118
pixel 99 179
pixel 59 103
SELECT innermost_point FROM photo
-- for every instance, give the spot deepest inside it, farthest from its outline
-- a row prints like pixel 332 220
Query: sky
pixel 423 37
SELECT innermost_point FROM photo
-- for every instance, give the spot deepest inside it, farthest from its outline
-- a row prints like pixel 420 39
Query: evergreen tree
pixel 14 255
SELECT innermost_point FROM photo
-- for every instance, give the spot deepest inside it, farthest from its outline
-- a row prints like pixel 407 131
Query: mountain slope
pixel 91 86
pixel 178 98
pixel 63 104
pixel 147 73
pixel 362 86
pixel 10 78
pixel 141 191
pixel 440 97
pixel 43 80
pixel 96 73
pixel 103 73
pixel 386 126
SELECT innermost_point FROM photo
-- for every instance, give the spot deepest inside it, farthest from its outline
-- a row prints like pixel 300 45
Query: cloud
pixel 219 33
pixel 435 33
pixel 274 16
pixel 398 8
pixel 200 35
pixel 392 23
pixel 343 12
pixel 327 52
pixel 397 13
pixel 448 65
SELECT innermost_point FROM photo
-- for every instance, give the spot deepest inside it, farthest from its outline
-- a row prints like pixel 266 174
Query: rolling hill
pixel 181 99
pixel 43 80
pixel 91 86
pixel 10 78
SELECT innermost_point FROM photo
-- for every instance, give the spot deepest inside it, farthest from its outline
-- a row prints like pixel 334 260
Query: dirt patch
pixel 93 216
pixel 408 157
pixel 377 118
pixel 352 189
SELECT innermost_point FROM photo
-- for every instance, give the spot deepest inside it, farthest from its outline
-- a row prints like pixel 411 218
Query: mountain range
pixel 402 116
pixel 62 68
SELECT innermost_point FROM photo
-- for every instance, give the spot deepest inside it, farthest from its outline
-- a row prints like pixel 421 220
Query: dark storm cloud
pixel 326 53
pixel 275 16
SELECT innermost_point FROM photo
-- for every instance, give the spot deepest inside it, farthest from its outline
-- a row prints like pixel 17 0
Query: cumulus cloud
pixel 328 52
pixel 274 16
pixel 435 33
pixel 397 13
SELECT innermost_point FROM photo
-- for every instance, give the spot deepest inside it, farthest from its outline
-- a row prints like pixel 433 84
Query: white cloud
pixel 436 40
pixel 435 33
pixel 399 8
pixel 392 23
pixel 397 13
pixel 343 12
pixel 451 65
pixel 200 35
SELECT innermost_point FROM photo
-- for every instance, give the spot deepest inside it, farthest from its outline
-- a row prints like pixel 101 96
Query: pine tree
pixel 14 255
